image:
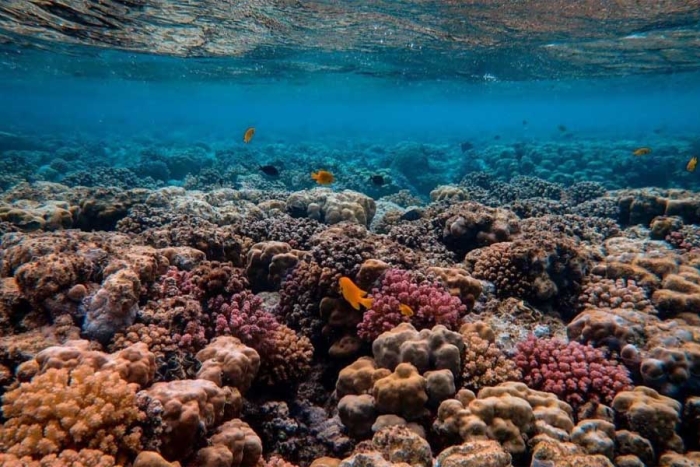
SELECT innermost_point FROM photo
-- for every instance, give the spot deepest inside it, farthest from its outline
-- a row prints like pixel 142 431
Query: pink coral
pixel 245 318
pixel 575 372
pixel 430 301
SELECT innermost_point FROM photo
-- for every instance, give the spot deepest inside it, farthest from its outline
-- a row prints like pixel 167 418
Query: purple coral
pixel 431 304
pixel 574 372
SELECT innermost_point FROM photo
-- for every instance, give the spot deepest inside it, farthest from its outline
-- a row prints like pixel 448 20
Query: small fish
pixel 497 137
pixel 353 294
pixel 377 180
pixel 692 164
pixel 248 135
pixel 643 151
pixel 562 128
pixel 466 146
pixel 524 122
pixel 323 177
pixel 406 310
pixel 270 170
pixel 411 215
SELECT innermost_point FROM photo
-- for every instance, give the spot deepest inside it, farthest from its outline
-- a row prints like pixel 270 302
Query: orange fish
pixel 692 164
pixel 323 177
pixel 642 151
pixel 406 310
pixel 354 295
pixel 248 135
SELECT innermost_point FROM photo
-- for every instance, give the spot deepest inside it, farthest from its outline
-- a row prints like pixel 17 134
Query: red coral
pixel 431 304
pixel 575 372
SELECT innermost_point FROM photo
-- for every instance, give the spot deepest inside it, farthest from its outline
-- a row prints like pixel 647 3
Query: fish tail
pixel 366 302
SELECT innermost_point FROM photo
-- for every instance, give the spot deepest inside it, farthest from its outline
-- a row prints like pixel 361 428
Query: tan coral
pixel 401 393
pixel 152 459
pixel 267 263
pixel 650 414
pixel 239 440
pixel 399 444
pixel 359 377
pixel 188 406
pixel 475 453
pixel 484 363
pixel 67 458
pixel 460 284
pixel 228 362
pixel 430 349
pixel 564 454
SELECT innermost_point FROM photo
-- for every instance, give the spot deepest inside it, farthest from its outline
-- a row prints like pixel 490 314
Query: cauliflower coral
pixel 76 409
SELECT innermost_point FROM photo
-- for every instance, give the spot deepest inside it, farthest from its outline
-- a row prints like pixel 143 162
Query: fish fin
pixel 366 302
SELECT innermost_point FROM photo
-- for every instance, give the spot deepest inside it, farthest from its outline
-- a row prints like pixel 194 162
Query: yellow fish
pixel 248 135
pixel 692 164
pixel 406 310
pixel 323 177
pixel 353 294
pixel 642 151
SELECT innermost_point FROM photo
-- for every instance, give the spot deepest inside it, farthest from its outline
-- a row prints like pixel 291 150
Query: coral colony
pixel 545 320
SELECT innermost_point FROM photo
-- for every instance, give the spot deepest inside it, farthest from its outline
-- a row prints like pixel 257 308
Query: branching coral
pixel 484 363
pixel 577 373
pixel 76 409
pixel 429 300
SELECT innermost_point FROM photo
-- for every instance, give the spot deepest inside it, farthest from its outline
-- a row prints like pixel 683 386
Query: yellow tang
pixel 248 135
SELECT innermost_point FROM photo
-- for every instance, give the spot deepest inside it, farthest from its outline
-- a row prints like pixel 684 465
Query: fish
pixel 354 295
pixel 692 164
pixel 270 170
pixel 377 180
pixel 406 310
pixel 497 137
pixel 411 215
pixel 466 146
pixel 643 151
pixel 323 177
pixel 562 128
pixel 248 135
pixel 524 122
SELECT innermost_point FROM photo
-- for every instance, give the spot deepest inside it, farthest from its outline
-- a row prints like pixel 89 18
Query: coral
pixel 233 441
pixel 398 444
pixel 291 361
pixel 476 453
pixel 653 416
pixel 621 293
pixel 468 225
pixel 581 192
pixel 281 228
pixel 459 283
pixel 134 364
pixel 595 437
pixel 190 408
pixel 509 413
pixel 359 377
pixel 613 328
pixel 113 307
pixel 76 408
pixel 547 269
pixel 226 361
pixel 157 338
pixel 577 373
pixel 671 370
pixel 485 364
pixel 330 207
pixel 66 458
pixel 152 459
pixel 268 263
pixel 431 304
pixel 401 393
pixel 548 451
pixel 430 349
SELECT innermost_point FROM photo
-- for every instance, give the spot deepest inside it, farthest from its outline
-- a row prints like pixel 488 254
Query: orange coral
pixel 76 408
